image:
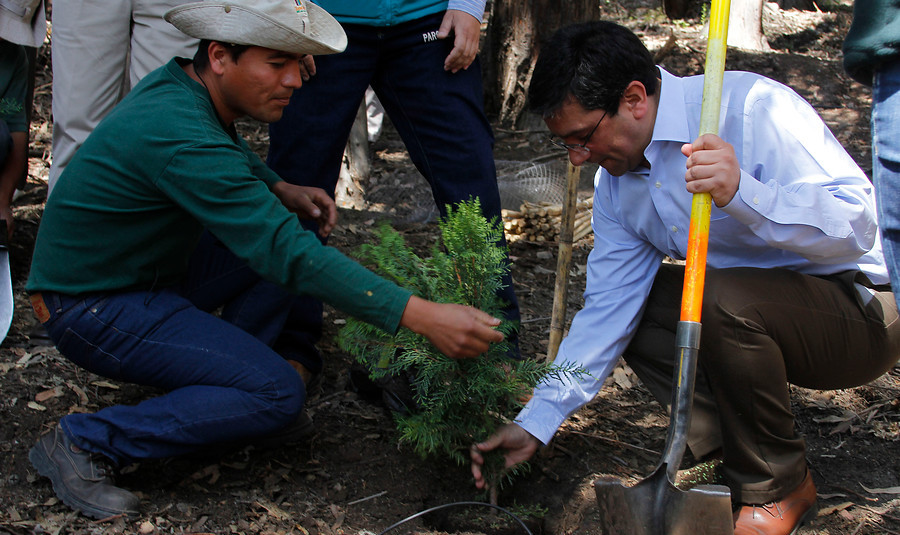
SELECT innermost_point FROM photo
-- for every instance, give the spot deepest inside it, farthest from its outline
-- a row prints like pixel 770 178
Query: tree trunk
pixel 745 25
pixel 515 31
pixel 802 5
pixel 355 168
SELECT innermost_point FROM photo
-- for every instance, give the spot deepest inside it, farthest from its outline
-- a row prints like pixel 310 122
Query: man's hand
pixel 307 67
pixel 466 34
pixel 308 203
pixel 519 444
pixel 455 330
pixel 713 168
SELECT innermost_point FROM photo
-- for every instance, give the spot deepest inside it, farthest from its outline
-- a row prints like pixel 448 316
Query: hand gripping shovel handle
pixel 655 505
pixel 687 335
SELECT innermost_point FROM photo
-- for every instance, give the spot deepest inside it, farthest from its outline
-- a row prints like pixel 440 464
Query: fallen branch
pixel 367 498
pixel 618 442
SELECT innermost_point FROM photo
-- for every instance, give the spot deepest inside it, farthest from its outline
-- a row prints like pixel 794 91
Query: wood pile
pixel 540 222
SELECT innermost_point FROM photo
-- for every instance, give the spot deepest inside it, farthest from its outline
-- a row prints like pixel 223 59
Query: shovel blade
pixel 655 506
pixel 7 303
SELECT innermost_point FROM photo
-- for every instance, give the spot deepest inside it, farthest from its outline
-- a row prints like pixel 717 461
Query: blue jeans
pixel 886 162
pixel 222 380
pixel 439 115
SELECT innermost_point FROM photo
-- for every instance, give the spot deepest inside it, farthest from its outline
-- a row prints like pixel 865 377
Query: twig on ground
pixel 323 399
pixel 618 442
pixel 883 515
pixel 367 498
pixel 533 320
pixel 845 489
pixel 859 526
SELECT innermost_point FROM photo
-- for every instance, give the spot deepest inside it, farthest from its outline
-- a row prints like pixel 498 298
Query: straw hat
pixel 295 26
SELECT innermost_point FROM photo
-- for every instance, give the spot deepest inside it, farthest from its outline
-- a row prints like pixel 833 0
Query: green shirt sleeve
pixel 218 185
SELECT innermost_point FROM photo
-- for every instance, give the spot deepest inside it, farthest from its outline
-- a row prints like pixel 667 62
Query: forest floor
pixel 351 476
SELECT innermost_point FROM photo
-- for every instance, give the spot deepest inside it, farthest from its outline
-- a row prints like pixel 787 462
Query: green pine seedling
pixel 459 402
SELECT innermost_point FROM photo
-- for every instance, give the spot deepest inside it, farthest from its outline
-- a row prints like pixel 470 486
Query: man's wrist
pixel 414 312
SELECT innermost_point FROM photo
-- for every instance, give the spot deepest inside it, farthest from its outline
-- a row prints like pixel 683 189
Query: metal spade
pixel 655 505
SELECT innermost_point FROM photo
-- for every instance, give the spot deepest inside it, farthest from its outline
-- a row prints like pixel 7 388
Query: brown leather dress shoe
pixel 783 517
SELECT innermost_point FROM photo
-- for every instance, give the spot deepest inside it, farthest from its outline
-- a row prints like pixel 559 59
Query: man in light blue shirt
pixel 796 282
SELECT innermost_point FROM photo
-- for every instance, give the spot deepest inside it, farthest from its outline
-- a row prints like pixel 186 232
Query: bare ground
pixel 351 476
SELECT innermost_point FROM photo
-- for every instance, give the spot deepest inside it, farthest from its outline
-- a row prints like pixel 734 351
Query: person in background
pixel 420 59
pixel 13 127
pixel 796 286
pixel 162 228
pixel 22 24
pixel 872 58
pixel 118 42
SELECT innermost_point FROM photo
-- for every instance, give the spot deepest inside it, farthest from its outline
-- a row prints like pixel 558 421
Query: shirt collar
pixel 671 116
pixel 199 90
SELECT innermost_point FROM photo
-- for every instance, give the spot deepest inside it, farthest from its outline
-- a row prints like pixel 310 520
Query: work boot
pixel 80 478
pixel 305 374
pixel 781 517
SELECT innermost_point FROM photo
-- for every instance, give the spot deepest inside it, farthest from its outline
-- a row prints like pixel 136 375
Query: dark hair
pixel 592 61
pixel 201 57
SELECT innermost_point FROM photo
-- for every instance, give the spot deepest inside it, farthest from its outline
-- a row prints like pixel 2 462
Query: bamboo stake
pixel 566 230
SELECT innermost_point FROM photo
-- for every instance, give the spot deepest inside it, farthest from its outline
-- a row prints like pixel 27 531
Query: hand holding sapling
pixel 517 443
pixel 455 330
pixel 459 401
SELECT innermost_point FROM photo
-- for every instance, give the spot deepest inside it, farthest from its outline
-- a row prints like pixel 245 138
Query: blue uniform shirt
pixel 392 12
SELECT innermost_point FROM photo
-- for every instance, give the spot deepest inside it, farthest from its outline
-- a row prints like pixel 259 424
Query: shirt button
pixel 658 185
pixel 674 228
pixel 755 200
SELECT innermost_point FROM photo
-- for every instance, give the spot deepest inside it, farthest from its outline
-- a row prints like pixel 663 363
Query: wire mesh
pixel 529 181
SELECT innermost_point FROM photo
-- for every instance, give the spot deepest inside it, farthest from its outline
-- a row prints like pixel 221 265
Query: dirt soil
pixel 351 476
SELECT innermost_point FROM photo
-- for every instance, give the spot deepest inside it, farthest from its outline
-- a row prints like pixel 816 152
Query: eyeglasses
pixel 580 147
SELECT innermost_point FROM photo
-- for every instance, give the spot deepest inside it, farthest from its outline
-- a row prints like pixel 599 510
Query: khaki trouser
pixel 763 329
pixel 101 49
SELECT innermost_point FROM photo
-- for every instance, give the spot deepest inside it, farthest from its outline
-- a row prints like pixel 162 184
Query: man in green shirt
pixel 164 215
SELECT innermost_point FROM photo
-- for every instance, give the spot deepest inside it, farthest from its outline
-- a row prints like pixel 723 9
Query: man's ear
pixel 218 56
pixel 635 100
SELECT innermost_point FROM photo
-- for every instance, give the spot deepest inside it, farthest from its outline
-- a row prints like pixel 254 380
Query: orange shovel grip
pixel 701 207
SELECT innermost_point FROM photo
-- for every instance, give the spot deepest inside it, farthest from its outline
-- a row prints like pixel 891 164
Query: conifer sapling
pixel 459 402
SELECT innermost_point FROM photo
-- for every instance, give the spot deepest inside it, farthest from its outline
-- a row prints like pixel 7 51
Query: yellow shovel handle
pixel 701 207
